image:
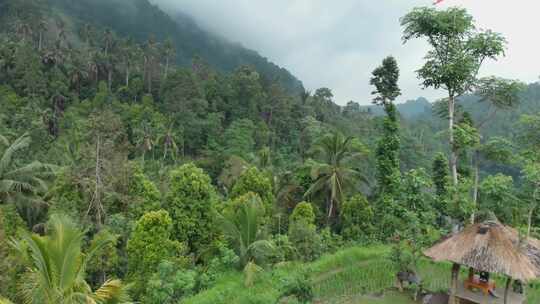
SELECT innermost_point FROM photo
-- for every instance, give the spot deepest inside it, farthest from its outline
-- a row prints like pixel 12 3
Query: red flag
pixel 437 2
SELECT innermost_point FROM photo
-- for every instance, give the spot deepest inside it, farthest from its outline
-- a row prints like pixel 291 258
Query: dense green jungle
pixel 144 159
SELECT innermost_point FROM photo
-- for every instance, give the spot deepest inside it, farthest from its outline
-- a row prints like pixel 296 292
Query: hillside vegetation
pixel 144 160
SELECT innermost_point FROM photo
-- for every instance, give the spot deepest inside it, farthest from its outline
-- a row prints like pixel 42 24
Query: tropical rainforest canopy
pixel 142 157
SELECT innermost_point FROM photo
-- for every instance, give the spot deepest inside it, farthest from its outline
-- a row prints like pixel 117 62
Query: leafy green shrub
pixel 305 239
pixel 149 245
pixel 303 232
pixel 225 260
pixel 357 219
pixel 144 193
pixel 10 267
pixel 330 241
pixel 253 180
pixel 303 212
pixel 170 284
pixel 285 250
pixel 190 202
pixel 299 287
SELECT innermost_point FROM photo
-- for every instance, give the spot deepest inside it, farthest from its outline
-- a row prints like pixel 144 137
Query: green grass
pixel 387 298
pixel 350 276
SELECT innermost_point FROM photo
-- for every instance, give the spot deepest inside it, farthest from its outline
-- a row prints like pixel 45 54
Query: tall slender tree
pixel 334 174
pixel 385 79
pixel 457 52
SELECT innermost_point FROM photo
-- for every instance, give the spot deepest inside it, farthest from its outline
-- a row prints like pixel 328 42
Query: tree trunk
pixel 166 67
pixel 96 204
pixel 453 152
pixel 330 208
pixel 529 221
pixel 476 160
pixel 127 75
pixel 109 78
pixel 507 289
pixel 40 43
pixel 454 284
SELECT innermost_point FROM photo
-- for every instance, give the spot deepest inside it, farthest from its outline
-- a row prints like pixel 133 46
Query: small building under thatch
pixel 488 247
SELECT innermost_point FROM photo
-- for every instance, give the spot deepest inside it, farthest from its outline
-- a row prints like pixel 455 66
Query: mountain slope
pixel 140 19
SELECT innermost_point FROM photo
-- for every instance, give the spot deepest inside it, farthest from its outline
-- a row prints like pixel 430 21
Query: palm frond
pixel 112 292
pixel 33 169
pixel 251 272
pixel 4 141
pixel 19 144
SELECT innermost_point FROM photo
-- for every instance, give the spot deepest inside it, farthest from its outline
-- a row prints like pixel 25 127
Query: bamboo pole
pixel 453 288
pixel 506 289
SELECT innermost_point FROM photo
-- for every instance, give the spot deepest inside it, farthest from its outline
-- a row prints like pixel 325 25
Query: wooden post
pixel 454 285
pixel 506 289
pixel 471 274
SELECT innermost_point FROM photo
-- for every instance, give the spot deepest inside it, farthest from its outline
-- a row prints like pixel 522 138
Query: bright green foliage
pixel 239 138
pixel 500 92
pixel 303 212
pixel 357 218
pixel 150 243
pixel 66 195
pixel 146 196
pixel 466 135
pixel 529 128
pixel 190 202
pixel 387 152
pixel 10 224
pixel 440 175
pixel 497 196
pixel 459 201
pixel 498 149
pixel 242 227
pixel 300 287
pixel 417 196
pixel 254 180
pixel 306 240
pixel 457 52
pixel 223 261
pixel 57 268
pixel 458 49
pixel 385 78
pixel 330 241
pixel 234 205
pixel 303 232
pixel 170 284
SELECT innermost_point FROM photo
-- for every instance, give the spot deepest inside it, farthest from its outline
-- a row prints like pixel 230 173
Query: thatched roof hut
pixel 492 247
pixel 488 247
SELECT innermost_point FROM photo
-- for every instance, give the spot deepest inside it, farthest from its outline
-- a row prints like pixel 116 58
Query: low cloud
pixel 336 44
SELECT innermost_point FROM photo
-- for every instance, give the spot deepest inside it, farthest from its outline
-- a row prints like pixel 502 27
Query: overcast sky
pixel 336 44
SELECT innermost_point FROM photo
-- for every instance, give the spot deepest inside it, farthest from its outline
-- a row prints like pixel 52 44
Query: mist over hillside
pixel 140 19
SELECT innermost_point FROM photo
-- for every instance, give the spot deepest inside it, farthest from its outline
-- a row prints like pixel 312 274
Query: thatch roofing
pixel 492 247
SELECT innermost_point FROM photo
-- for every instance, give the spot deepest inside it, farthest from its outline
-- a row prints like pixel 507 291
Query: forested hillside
pixel 141 158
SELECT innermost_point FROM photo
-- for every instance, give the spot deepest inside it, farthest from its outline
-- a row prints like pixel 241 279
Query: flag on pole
pixel 437 2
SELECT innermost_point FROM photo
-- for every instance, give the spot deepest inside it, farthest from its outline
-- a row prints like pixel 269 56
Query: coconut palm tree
pixel 333 172
pixel 56 268
pixel 242 227
pixel 21 184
